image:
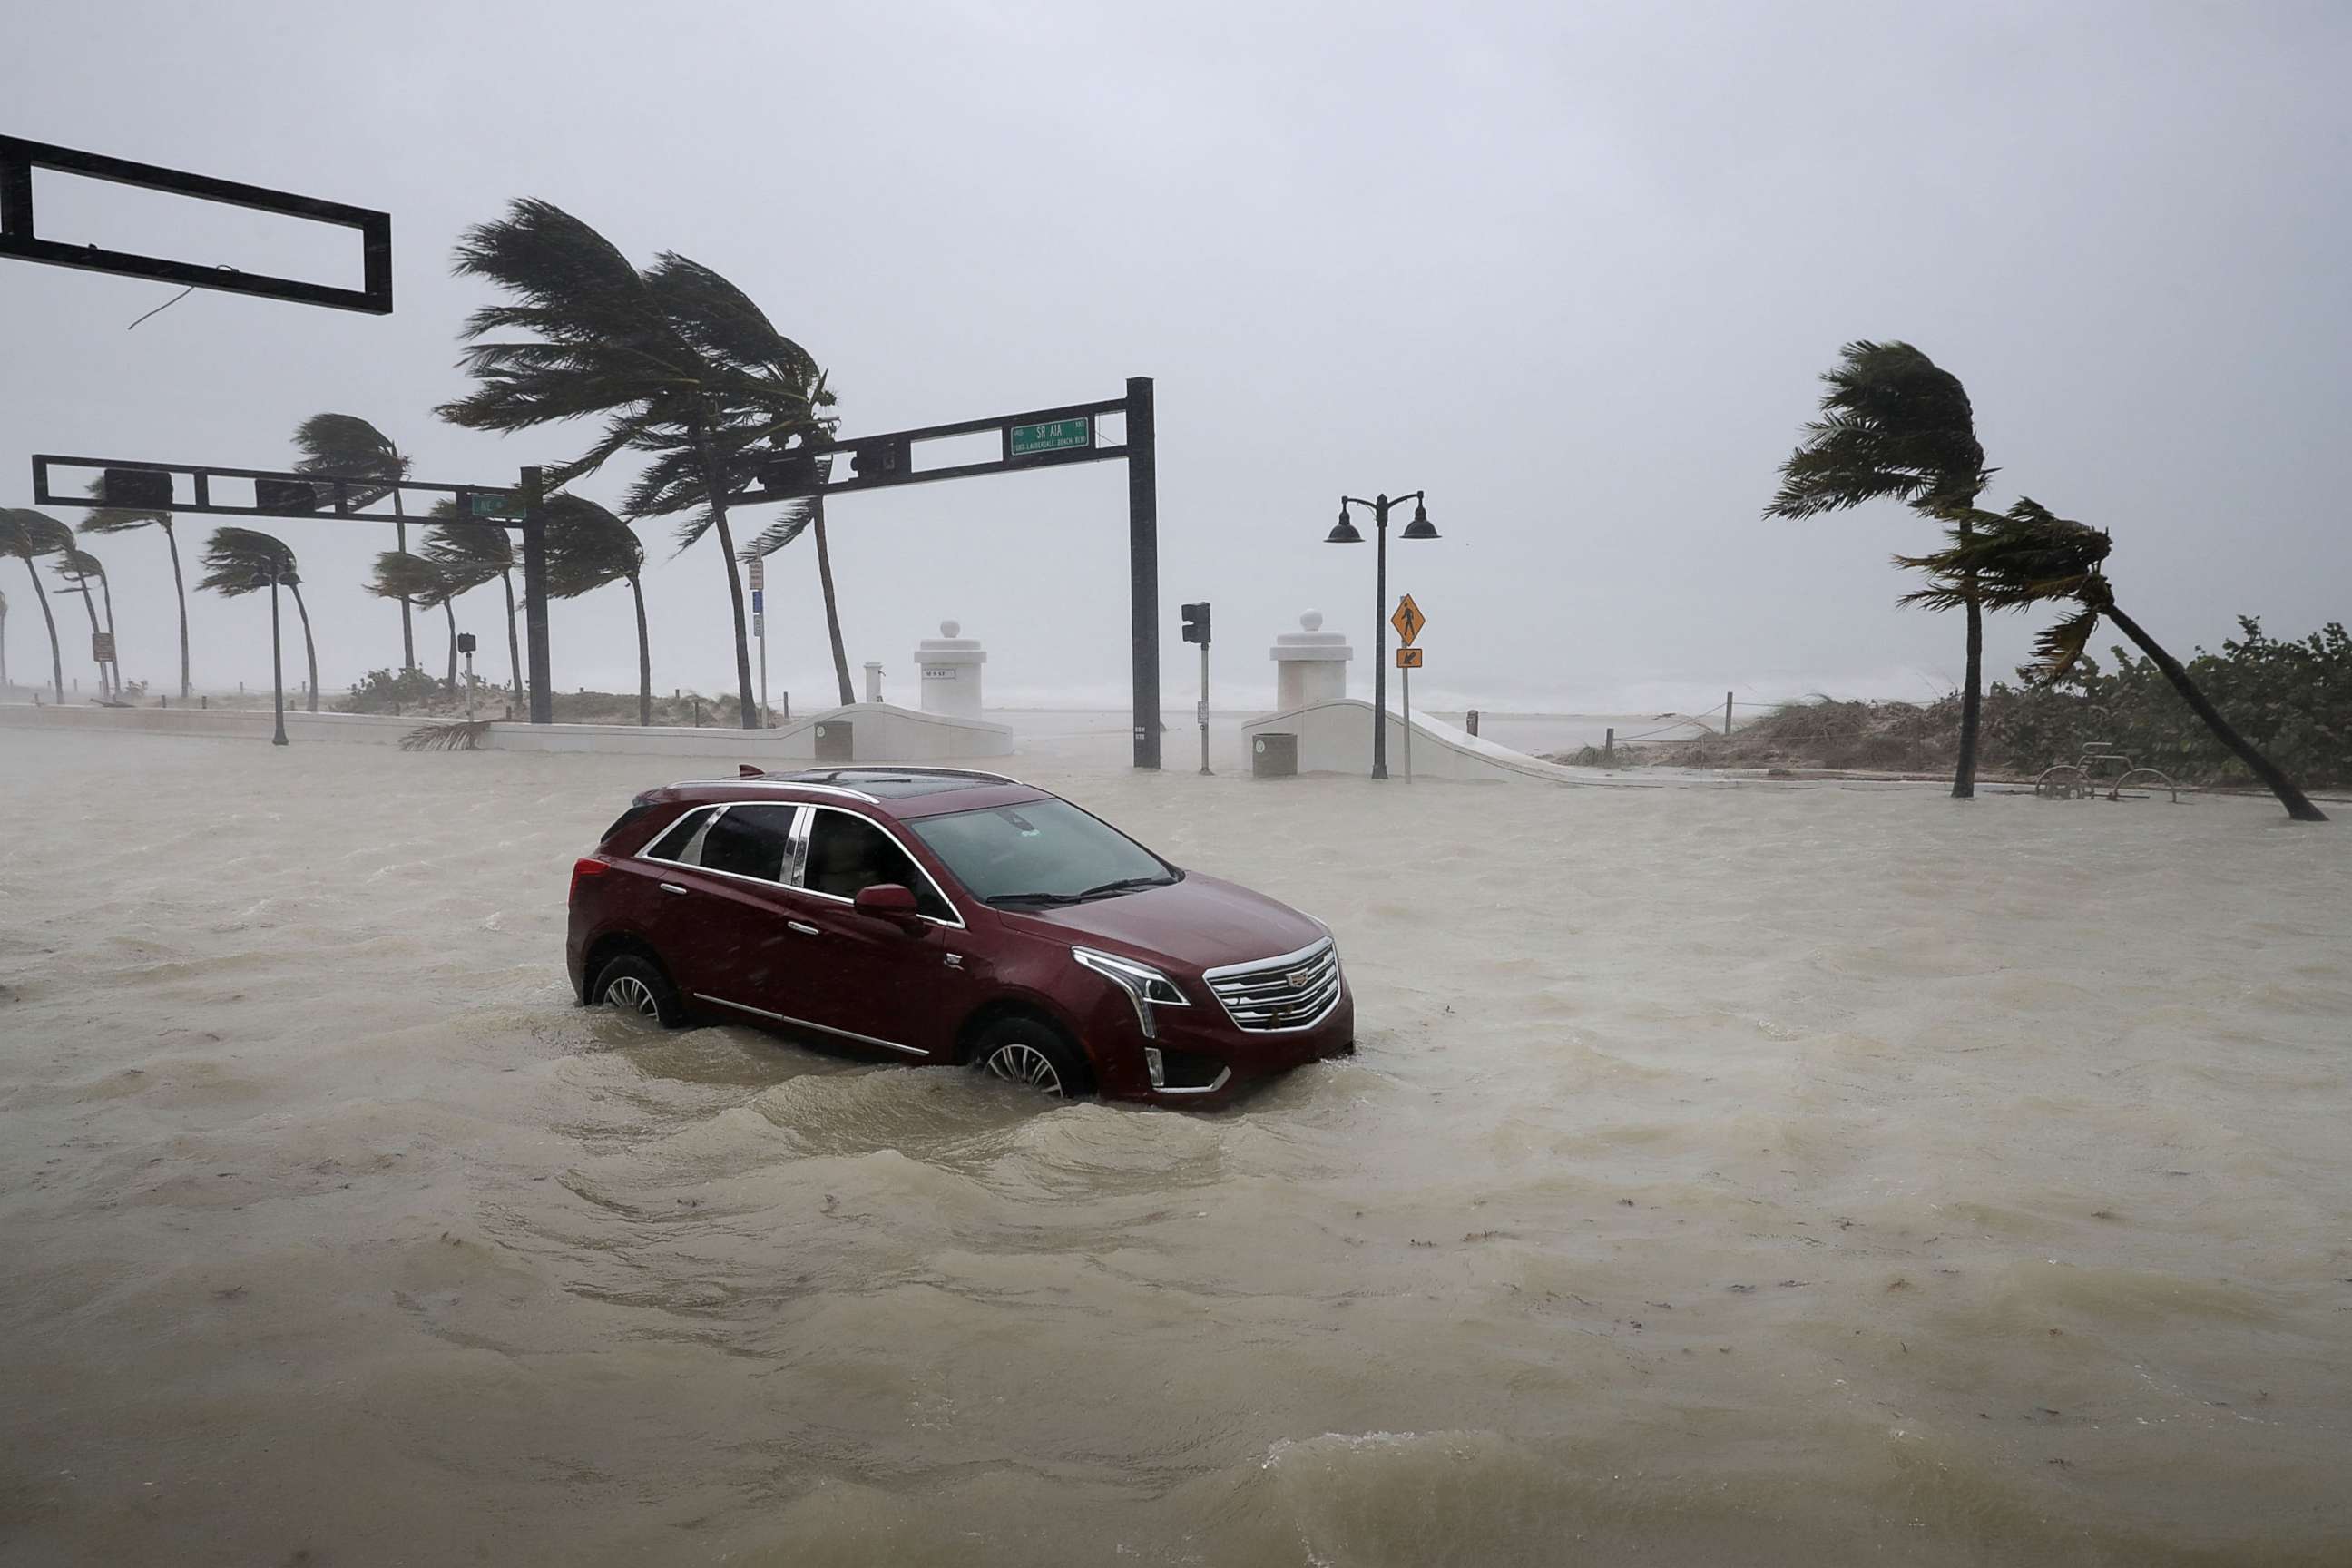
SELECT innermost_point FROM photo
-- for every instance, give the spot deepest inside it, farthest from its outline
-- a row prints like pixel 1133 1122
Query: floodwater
pixel 1757 1175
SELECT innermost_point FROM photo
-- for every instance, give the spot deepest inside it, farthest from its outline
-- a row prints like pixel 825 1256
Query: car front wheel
pixel 635 985
pixel 1033 1055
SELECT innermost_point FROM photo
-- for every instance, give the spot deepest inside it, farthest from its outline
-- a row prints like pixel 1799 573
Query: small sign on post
pixel 1408 620
pixel 1408 657
pixel 1053 436
pixel 101 648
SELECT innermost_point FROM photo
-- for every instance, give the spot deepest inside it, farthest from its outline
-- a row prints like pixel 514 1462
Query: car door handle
pixel 803 927
pixel 671 888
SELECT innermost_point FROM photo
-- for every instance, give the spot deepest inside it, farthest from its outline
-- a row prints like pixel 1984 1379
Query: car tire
pixel 1032 1054
pixel 636 985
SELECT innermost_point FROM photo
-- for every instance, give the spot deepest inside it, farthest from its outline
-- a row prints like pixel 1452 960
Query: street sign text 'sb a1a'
pixel 1409 659
pixel 1408 620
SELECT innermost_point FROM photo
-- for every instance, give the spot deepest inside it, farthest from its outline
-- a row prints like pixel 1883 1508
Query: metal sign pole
pixel 1143 567
pixel 277 663
pixel 534 595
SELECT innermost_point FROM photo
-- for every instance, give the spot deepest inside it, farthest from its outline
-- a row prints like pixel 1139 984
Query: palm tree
pixel 80 568
pixel 808 514
pixel 413 580
pixel 26 535
pixel 470 554
pixel 1897 426
pixel 103 519
pixel 348 447
pixel 2028 556
pixel 239 560
pixel 588 547
pixel 677 360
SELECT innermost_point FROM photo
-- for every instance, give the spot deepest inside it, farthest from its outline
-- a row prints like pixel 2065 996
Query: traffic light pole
pixel 1143 566
pixel 1038 438
pixel 1204 709
pixel 534 594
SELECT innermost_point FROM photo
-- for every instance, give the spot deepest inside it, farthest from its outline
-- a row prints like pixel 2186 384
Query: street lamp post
pixel 1344 533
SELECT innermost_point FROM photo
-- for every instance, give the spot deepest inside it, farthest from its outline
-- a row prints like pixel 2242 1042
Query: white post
pixel 1204 709
pixel 758 574
pixel 1405 676
pixel 469 686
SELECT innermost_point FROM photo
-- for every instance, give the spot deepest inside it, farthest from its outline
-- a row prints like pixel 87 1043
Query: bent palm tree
pixel 588 547
pixel 1897 426
pixel 2028 556
pixel 239 560
pixel 413 580
pixel 28 535
pixel 103 519
pixel 81 569
pixel 470 554
pixel 677 360
pixel 348 447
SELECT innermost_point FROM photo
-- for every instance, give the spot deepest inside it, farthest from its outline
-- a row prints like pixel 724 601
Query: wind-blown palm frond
pixel 2025 556
pixel 471 553
pixel 348 446
pixel 587 547
pixel 422 583
pixel 245 560
pixel 31 533
pixel 78 566
pixel 2015 559
pixel 1893 426
pixel 103 519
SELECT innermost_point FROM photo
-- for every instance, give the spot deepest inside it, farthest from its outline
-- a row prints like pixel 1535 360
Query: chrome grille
pixel 1292 992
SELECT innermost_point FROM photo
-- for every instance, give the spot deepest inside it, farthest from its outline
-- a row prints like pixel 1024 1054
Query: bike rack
pixel 2075 780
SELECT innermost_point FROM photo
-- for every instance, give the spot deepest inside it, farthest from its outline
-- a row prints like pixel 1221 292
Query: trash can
pixel 1273 754
pixel 835 742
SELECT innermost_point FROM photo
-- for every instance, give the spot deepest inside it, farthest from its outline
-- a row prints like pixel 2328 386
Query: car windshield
pixel 1041 851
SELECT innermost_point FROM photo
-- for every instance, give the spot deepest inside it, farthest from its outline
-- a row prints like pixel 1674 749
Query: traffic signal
pixel 285 498
pixel 1196 623
pixel 136 487
pixel 879 461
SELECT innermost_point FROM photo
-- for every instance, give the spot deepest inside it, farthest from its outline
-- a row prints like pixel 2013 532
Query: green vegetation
pixel 348 447
pixel 28 535
pixel 124 520
pixel 2292 699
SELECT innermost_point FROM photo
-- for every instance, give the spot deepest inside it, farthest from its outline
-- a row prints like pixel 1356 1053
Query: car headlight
pixel 1145 987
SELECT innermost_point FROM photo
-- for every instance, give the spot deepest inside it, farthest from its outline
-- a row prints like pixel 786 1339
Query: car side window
pixel 683 837
pixel 750 841
pixel 848 853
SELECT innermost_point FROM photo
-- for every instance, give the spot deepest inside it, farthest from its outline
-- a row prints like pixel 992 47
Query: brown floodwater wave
pixel 1778 1176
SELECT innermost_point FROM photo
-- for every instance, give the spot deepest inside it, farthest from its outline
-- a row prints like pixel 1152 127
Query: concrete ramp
pixel 1335 736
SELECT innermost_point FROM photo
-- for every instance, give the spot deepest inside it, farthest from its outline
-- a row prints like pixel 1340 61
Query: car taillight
pixel 587 867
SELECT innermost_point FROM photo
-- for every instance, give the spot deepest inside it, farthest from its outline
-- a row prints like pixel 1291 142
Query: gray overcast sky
pixel 1572 269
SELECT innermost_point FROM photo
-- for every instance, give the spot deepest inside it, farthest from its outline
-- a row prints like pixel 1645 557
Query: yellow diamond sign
pixel 1408 620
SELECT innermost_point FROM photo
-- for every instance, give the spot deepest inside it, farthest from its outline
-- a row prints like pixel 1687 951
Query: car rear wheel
pixel 1033 1055
pixel 636 984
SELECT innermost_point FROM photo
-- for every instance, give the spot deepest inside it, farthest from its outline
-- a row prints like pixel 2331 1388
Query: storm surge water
pixel 1770 1175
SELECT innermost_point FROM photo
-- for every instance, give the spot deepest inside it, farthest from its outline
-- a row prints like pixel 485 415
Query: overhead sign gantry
pixel 1033 438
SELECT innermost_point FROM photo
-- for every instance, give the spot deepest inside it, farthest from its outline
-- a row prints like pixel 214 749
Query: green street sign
pixel 493 505
pixel 1054 436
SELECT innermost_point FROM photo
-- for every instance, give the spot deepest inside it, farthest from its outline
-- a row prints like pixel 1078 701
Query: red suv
pixel 959 917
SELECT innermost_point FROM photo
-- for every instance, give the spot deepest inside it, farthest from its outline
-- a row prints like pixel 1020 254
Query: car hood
pixel 1201 923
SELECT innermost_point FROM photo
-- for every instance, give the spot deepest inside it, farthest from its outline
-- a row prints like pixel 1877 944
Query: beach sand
pixel 1760 1175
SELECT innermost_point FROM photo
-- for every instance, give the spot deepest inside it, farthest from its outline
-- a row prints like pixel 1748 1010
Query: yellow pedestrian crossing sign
pixel 1408 620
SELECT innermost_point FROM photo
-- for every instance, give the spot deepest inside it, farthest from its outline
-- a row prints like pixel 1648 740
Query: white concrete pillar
pixel 873 680
pixel 1310 665
pixel 950 664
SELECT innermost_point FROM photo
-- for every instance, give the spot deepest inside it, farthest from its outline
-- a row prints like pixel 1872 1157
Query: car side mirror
pixel 888 902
